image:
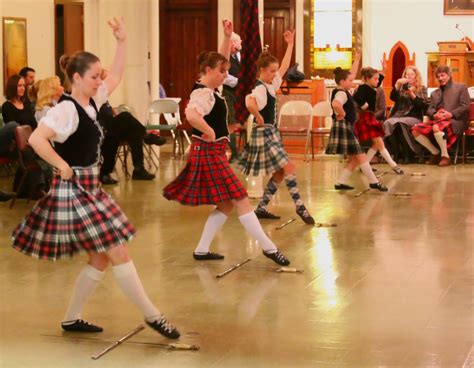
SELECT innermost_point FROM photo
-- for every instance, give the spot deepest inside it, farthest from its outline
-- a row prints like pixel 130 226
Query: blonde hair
pixel 418 78
pixel 46 89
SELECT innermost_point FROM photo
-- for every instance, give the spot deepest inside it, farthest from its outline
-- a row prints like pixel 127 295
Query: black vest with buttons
pixel 269 111
pixel 217 118
pixel 82 148
pixel 349 106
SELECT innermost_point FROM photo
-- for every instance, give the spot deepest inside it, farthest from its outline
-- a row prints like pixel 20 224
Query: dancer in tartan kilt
pixel 342 139
pixel 207 178
pixel 264 153
pixel 367 127
pixel 76 214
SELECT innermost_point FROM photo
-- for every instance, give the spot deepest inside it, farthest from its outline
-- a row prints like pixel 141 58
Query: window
pixel 333 34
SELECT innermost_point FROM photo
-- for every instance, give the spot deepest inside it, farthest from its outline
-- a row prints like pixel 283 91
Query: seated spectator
pixel 16 112
pixel 411 100
pixel 124 127
pixel 448 112
pixel 28 75
pixel 47 93
pixel 17 108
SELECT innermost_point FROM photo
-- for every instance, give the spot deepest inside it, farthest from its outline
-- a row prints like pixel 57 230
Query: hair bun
pixel 202 57
pixel 337 70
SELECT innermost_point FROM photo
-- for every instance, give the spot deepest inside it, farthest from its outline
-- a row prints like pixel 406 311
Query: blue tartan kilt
pixel 75 215
pixel 342 140
pixel 264 153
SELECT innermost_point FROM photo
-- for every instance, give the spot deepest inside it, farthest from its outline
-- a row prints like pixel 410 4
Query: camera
pixel 406 86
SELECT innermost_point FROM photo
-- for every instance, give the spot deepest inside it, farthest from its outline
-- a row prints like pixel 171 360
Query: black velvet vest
pixel 82 148
pixel 269 111
pixel 349 106
pixel 217 118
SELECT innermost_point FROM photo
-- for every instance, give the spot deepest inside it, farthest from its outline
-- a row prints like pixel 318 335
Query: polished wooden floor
pixel 390 286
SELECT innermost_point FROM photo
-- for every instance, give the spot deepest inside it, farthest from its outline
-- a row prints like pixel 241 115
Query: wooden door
pixel 187 27
pixel 279 15
pixel 69 28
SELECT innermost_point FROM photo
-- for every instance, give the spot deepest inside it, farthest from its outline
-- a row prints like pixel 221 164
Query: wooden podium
pixel 457 56
pixel 313 91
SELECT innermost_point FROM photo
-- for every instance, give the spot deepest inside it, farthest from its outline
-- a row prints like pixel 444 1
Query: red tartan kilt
pixel 207 177
pixel 445 126
pixel 367 127
pixel 75 215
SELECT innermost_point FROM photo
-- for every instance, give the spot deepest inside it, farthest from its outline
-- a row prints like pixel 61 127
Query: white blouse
pixel 203 100
pixel 63 118
pixel 260 92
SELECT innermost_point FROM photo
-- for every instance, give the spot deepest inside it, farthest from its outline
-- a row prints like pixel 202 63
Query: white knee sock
pixel 128 280
pixel 425 142
pixel 370 154
pixel 213 224
pixel 442 143
pixel 367 170
pixel 386 156
pixel 345 175
pixel 253 227
pixel 86 283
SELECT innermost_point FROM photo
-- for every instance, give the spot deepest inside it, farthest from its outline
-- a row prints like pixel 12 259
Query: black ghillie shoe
pixel 164 327
pixel 277 257
pixel 80 325
pixel 378 186
pixel 264 214
pixel 207 256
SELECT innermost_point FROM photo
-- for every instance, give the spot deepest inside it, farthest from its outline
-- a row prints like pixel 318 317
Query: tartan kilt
pixel 342 140
pixel 207 177
pixel 264 152
pixel 75 215
pixel 445 126
pixel 367 127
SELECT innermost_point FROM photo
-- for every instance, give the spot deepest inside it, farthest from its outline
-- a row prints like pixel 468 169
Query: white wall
pixel 417 23
pixel 40 33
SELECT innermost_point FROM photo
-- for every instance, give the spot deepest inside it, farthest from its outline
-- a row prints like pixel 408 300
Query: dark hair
pixel 340 74
pixel 443 69
pixel 368 72
pixel 24 71
pixel 11 89
pixel 265 59
pixel 210 59
pixel 79 62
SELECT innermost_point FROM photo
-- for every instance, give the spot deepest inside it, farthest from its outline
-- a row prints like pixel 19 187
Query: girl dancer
pixel 367 127
pixel 342 139
pixel 264 153
pixel 76 214
pixel 207 177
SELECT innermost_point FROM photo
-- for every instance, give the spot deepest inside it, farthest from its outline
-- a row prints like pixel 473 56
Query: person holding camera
pixel 448 112
pixel 411 100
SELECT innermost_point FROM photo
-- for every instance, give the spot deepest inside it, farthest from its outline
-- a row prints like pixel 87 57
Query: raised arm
pixel 356 63
pixel 225 47
pixel 289 37
pixel 118 64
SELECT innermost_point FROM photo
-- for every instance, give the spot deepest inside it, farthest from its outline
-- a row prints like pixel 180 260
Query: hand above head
pixel 228 27
pixel 383 62
pixel 118 28
pixel 289 37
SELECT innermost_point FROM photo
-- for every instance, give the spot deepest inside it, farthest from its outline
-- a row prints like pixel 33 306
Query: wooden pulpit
pixel 458 56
